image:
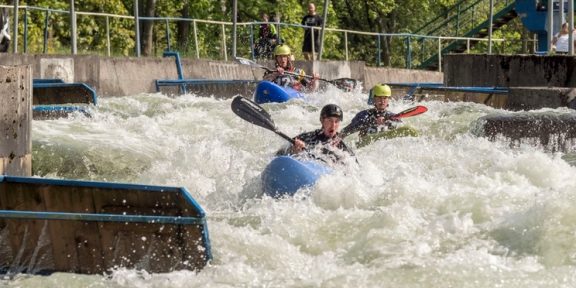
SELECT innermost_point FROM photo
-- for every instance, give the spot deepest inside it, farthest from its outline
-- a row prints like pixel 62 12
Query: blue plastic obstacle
pixel 52 98
pixel 51 225
pixel 216 87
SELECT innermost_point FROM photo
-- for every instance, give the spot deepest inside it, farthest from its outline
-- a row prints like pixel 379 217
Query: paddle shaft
pixel 252 63
pixel 284 136
pixel 413 111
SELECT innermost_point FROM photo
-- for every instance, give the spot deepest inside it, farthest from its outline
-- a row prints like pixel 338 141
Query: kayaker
pixel 327 139
pixel 375 119
pixel 295 78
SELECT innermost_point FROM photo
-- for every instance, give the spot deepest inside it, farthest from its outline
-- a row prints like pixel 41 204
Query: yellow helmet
pixel 282 50
pixel 381 90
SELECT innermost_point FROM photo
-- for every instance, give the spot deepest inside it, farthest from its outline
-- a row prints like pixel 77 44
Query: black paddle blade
pixel 255 114
pixel 346 84
pixel 252 112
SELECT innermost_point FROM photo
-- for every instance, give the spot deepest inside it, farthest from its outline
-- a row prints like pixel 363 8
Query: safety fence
pixel 116 35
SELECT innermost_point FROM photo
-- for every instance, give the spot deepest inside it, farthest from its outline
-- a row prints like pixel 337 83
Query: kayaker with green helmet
pixel 327 138
pixel 375 119
pixel 283 57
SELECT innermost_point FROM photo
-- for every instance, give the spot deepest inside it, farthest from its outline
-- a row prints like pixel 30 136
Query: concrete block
pixel 16 120
pixel 554 131
pixel 529 98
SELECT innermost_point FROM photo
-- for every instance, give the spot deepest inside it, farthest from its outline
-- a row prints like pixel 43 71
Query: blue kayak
pixel 269 92
pixel 285 175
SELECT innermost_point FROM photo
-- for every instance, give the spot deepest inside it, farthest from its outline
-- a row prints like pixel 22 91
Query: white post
pixel 73 25
pixel 490 27
pixel 550 24
pixel 571 25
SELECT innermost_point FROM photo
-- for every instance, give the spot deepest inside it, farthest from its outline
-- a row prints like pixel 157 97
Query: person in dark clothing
pixel 311 20
pixel 375 119
pixel 327 139
pixel 267 39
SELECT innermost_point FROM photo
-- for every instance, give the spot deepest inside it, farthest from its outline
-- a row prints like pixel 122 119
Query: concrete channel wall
pixel 129 76
pixel 534 81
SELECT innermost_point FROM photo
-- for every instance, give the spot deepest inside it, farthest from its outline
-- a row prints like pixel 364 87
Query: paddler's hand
pixel 280 70
pixel 315 76
pixel 298 146
pixel 380 120
pixel 395 118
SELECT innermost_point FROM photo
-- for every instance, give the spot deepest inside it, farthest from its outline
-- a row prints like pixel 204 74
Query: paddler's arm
pixel 296 148
pixel 271 75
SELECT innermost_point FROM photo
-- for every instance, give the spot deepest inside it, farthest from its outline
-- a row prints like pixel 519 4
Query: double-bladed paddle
pixel 413 111
pixel 416 110
pixel 255 114
pixel 346 84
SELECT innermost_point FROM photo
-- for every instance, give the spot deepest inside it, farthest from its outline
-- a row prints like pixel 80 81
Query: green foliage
pixel 374 16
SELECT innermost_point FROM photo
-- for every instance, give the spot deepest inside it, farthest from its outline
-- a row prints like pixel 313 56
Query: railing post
pixel 346 43
pixel 409 52
pixel 491 21
pixel 312 41
pixel 223 46
pixel 137 27
pixel 278 33
pixel 15 38
pixel 26 29
pixel 196 38
pixel 439 54
pixel 252 46
pixel 378 56
pixel 45 48
pixel 108 35
pixel 168 35
pixel 571 25
pixel 73 25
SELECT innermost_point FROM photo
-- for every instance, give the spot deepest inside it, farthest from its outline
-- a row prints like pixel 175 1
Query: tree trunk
pixel 184 29
pixel 148 28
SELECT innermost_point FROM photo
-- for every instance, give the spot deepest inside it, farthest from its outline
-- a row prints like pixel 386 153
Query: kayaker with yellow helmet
pixel 295 78
pixel 375 119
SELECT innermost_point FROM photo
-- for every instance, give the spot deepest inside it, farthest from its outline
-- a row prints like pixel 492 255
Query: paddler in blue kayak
pixel 327 138
pixel 375 119
pixel 286 75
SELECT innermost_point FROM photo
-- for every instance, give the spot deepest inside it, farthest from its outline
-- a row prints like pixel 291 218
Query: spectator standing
pixel 267 39
pixel 560 42
pixel 311 20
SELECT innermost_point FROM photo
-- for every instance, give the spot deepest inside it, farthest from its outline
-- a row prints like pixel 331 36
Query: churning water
pixel 446 209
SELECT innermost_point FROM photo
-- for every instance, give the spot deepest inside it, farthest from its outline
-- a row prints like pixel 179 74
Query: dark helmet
pixel 331 110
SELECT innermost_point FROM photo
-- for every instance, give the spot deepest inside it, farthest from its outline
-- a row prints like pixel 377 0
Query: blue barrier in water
pixel 53 98
pixel 183 84
pixel 53 225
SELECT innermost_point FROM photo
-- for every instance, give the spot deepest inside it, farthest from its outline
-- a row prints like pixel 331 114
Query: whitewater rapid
pixel 446 209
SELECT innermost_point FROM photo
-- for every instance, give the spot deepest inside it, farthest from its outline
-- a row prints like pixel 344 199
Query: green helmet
pixel 381 90
pixel 282 50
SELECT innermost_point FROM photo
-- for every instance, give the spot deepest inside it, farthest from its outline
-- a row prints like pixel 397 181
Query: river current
pixel 446 209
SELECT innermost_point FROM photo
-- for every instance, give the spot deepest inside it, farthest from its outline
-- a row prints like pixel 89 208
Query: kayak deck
pixel 402 131
pixel 285 175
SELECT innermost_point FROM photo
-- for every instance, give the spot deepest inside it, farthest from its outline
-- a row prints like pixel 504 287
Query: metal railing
pixel 212 38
